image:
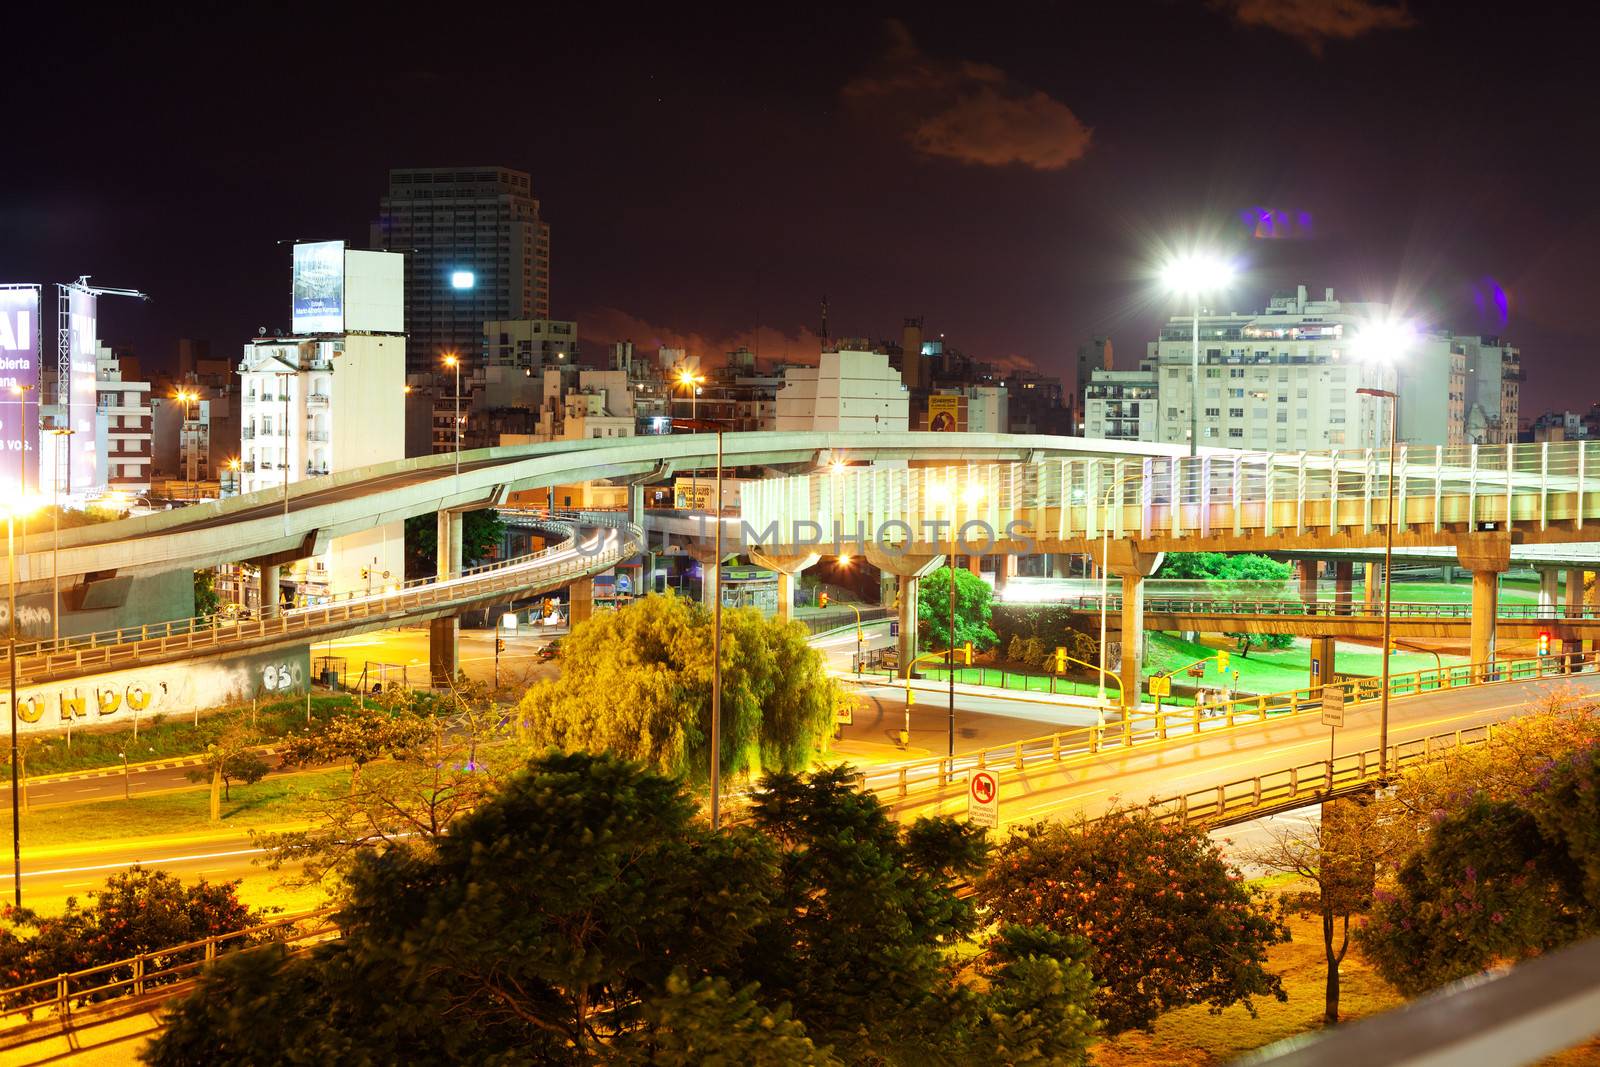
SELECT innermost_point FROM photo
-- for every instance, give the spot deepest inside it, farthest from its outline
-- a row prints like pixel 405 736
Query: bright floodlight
pixel 838 465
pixel 463 279
pixel 450 359
pixel 1385 341
pixel 1197 273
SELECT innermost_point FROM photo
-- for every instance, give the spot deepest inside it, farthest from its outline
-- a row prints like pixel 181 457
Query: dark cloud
pixel 1315 22
pixel 599 326
pixel 970 112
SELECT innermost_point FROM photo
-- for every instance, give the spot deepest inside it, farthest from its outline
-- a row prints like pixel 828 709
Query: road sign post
pixel 983 799
pixel 1333 719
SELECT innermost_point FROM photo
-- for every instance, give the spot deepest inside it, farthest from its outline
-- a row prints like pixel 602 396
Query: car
pixel 550 651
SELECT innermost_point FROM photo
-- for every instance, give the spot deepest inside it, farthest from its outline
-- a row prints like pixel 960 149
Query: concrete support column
pixel 443 635
pixel 975 565
pixel 1548 580
pixel 1369 591
pixel 1592 599
pixel 449 536
pixel 909 571
pixel 1322 660
pixel 636 504
pixel 1005 570
pixel 1574 591
pixel 1343 583
pixel 787 568
pixel 270 591
pixel 1308 582
pixel 1487 556
pixel 580 601
pixel 1133 565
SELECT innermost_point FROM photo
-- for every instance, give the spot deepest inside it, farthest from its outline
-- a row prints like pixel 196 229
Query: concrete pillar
pixel 1133 565
pixel 1322 660
pixel 1548 580
pixel 1308 583
pixel 1574 592
pixel 270 591
pixel 1005 570
pixel 636 504
pixel 580 601
pixel 975 565
pixel 1343 574
pixel 449 548
pixel 909 571
pixel 1592 599
pixel 1369 590
pixel 1487 556
pixel 787 568
pixel 442 649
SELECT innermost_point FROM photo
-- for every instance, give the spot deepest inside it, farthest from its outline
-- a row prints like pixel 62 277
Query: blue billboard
pixel 318 302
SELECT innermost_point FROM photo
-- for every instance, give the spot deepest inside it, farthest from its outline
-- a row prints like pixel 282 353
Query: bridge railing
pixel 1223 605
pixel 1150 729
pixel 51 1003
pixel 132 645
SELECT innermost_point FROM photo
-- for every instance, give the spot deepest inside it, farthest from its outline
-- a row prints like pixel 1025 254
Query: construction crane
pixel 64 293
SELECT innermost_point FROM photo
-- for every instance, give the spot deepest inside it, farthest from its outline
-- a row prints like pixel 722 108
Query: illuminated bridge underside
pixel 1229 501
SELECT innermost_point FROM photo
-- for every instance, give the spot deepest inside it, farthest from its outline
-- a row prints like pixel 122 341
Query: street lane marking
pixel 6 875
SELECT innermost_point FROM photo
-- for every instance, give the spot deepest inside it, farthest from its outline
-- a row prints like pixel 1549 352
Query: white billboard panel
pixel 374 291
pixel 83 471
pixel 19 367
pixel 318 300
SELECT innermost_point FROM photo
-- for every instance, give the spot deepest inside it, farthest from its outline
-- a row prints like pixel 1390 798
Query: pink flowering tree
pixel 1169 922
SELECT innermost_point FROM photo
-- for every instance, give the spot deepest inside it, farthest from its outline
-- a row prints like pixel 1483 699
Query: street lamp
pixel 1383 344
pixel 691 381
pixel 62 435
pixel 16 511
pixel 942 494
pixel 452 361
pixel 1194 275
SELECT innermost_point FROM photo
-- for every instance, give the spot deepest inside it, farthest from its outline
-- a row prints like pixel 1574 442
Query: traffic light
pixel 1061 660
pixel 1222 661
pixel 547 609
pixel 1544 642
pixel 822 599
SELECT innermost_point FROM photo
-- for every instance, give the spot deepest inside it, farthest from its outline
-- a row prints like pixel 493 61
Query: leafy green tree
pixel 358 740
pixel 1171 924
pixel 138 911
pixel 480 531
pixel 1567 809
pixel 690 1024
pixel 637 682
pixel 232 757
pixel 1237 575
pixel 974 610
pixel 533 932
pixel 1486 886
pixel 206 600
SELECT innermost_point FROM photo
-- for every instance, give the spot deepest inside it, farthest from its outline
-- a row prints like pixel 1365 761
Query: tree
pixel 481 531
pixel 231 757
pixel 138 911
pixel 708 1022
pixel 1242 575
pixel 1338 854
pixel 637 682
pixel 535 931
pixel 358 740
pixel 974 610
pixel 1171 924
pixel 206 600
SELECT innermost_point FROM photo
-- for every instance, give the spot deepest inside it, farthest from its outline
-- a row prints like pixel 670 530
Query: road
pixel 408 647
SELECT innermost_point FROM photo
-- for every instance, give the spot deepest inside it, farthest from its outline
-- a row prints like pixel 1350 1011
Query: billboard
pixel 944 413
pixel 19 366
pixel 318 301
pixel 83 470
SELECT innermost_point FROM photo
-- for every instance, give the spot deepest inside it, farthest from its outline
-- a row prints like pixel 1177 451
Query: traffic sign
pixel 1333 705
pixel 894 627
pixel 983 799
pixel 844 713
pixel 1160 685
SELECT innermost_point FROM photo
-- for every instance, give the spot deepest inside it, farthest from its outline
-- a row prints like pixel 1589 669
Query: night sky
pixel 1011 172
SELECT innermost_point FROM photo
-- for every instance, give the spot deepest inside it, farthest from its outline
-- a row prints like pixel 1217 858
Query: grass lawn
pixel 1275 672
pixel 279 798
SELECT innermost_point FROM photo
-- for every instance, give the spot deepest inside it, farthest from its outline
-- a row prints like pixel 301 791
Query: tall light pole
pixel 691 381
pixel 1385 344
pixel 716 655
pixel 13 513
pixel 947 494
pixel 1194 275
pixel 453 361
pixel 63 435
pixel 187 397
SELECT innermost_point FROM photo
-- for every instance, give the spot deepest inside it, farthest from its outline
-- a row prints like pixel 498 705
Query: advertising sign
pixel 944 413
pixel 693 495
pixel 318 303
pixel 83 470
pixel 983 799
pixel 19 366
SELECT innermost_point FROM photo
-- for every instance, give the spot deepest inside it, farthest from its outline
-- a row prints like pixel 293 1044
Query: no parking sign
pixel 983 799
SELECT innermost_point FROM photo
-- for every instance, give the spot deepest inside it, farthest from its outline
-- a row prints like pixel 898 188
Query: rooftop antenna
pixel 824 320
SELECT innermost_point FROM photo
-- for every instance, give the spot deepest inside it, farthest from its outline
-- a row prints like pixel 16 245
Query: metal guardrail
pixel 934 779
pixel 1200 605
pixel 41 1009
pixel 43 660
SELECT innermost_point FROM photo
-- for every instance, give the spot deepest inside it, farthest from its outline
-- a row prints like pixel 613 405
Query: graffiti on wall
pixel 165 690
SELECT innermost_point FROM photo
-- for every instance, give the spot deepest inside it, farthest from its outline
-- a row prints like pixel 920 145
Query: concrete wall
pixel 108 604
pixel 176 689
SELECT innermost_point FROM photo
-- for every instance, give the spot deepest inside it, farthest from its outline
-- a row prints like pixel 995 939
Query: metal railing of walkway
pixel 186 638
pixel 1225 605
pixel 1543 491
pixel 937 779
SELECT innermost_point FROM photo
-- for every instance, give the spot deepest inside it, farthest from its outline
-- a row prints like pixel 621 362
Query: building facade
pixel 847 390
pixel 1493 389
pixel 1121 405
pixel 477 250
pixel 123 430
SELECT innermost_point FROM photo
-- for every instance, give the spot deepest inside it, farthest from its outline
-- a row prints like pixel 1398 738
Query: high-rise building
pixel 1493 371
pixel 122 437
pixel 1093 356
pixel 476 251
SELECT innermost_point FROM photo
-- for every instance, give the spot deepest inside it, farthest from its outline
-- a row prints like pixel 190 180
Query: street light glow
pixel 463 279
pixel 450 359
pixel 1196 273
pixel 1384 342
